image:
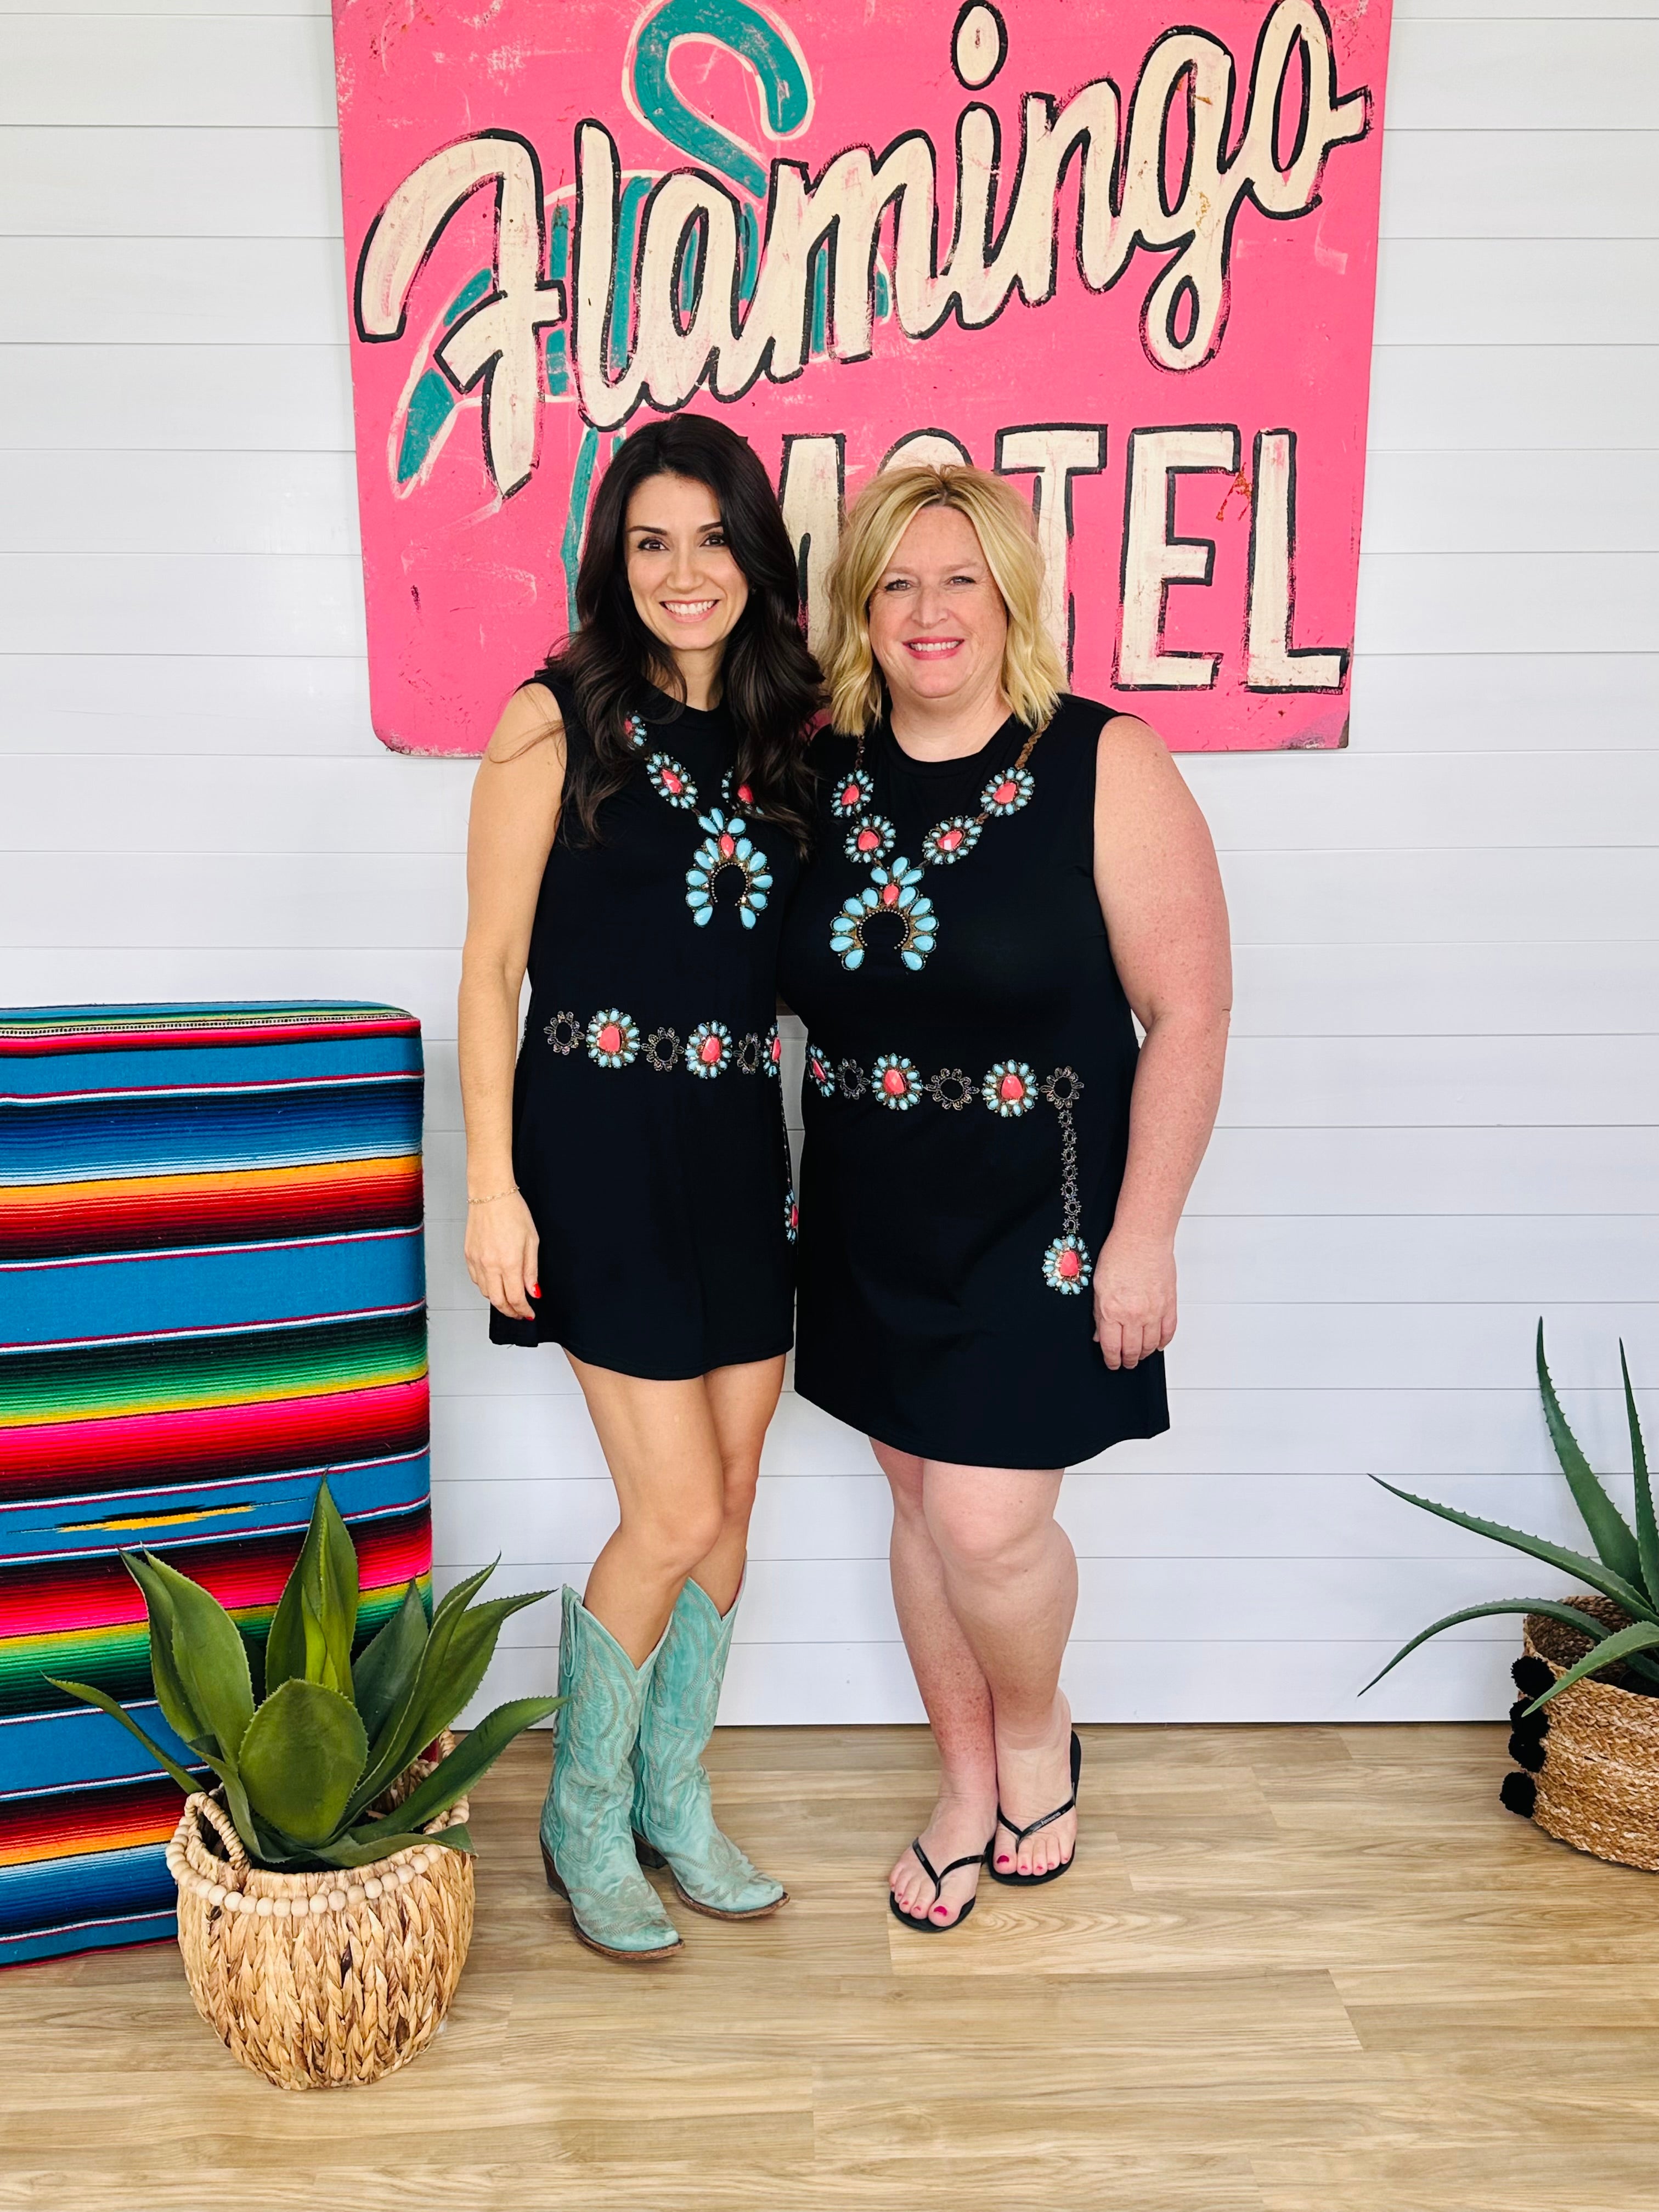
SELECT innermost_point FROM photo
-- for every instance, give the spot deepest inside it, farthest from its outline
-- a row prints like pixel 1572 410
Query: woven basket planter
pixel 1593 1753
pixel 318 1979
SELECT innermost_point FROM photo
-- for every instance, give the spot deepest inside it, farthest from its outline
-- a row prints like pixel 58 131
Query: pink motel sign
pixel 1124 255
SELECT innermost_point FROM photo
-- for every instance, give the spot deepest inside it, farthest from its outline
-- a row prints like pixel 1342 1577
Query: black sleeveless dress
pixel 969 1059
pixel 647 1119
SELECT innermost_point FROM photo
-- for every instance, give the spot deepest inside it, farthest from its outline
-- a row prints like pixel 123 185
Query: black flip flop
pixel 924 1926
pixel 1035 1880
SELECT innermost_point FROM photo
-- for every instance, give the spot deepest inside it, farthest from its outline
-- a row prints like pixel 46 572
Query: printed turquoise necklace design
pixel 726 845
pixel 894 886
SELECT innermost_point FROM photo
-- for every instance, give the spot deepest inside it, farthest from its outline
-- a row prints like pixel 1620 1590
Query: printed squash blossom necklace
pixel 727 843
pixel 893 886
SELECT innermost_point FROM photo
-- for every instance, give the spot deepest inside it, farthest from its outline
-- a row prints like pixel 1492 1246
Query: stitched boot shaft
pixel 586 1820
pixel 672 1810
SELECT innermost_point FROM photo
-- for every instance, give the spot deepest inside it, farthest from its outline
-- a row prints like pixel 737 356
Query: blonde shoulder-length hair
pixel 1033 675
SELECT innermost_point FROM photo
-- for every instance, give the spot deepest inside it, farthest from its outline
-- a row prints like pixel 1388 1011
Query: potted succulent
pixel 325 1884
pixel 1589 1764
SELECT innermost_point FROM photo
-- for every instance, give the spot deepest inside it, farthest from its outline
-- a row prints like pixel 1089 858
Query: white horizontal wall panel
pixel 1576 72
pixel 296 901
pixel 1533 1260
pixel 1498 603
pixel 173 291
pixel 1463 701
pixel 157 182
pixel 1472 182
pixel 1445 990
pixel 1516 501
pixel 1523 1168
pixel 309 603
pixel 167 502
pixel 1436 1083
pixel 1496 896
pixel 1459 398
pixel 180 398
pixel 1459 291
pixel 218 704
pixel 220 70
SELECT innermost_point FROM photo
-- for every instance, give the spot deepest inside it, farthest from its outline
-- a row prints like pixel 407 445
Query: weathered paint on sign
pixel 1127 259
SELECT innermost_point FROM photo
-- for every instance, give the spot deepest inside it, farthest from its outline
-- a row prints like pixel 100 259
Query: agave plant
pixel 304 1769
pixel 1625 1567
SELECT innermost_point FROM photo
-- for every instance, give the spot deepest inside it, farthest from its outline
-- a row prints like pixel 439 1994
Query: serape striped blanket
pixel 211 1293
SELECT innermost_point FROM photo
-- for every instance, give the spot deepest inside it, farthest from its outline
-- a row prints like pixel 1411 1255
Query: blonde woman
pixel 1004 878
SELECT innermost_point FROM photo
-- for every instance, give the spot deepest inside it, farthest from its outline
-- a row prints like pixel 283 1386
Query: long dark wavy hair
pixel 769 682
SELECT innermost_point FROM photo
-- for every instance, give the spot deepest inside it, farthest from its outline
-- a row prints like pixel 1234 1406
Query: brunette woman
pixel 635 832
pixel 1003 877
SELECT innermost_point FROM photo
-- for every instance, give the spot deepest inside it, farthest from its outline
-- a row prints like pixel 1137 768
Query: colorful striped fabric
pixel 211 1293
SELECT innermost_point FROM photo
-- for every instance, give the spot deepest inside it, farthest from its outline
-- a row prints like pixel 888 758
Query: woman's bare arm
pixel 1160 891
pixel 515 812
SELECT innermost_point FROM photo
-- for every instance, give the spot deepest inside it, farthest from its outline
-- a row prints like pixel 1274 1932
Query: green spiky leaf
pixel 451 1655
pixel 315 1622
pixel 383 1677
pixel 1609 1531
pixel 1647 1532
pixel 189 1784
pixel 1640 1635
pixel 473 1757
pixel 304 1749
pixel 209 1657
pixel 1630 1595
pixel 1551 1609
pixel 381 1838
pixel 177 1709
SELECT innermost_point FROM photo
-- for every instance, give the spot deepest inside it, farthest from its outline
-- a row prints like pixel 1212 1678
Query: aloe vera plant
pixel 1625 1567
pixel 303 1769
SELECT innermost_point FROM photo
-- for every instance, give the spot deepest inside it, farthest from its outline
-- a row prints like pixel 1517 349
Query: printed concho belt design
pixel 611 1038
pixel 1011 1088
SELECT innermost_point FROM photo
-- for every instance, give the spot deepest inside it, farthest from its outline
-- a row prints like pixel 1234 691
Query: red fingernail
pixel 535 1290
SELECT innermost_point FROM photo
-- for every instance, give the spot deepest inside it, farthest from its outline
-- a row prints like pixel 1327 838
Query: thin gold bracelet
pixel 512 1191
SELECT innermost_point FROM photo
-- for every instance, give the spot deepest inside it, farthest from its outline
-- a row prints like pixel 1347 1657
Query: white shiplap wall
pixel 1439 1115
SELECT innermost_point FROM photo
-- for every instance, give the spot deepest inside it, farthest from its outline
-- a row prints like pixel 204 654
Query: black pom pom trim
pixel 1519 1794
pixel 1527 1751
pixel 1532 1677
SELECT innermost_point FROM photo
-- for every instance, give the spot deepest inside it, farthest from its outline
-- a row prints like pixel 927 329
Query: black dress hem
pixel 535 1335
pixel 889 1436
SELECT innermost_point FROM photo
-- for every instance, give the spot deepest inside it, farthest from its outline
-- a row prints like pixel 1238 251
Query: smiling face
pixel 938 624
pixel 687 586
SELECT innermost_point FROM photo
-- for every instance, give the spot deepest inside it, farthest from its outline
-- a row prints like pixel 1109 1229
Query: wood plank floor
pixel 1296 1969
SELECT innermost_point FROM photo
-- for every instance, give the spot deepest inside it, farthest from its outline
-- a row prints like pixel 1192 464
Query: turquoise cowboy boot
pixel 673 1817
pixel 587 1848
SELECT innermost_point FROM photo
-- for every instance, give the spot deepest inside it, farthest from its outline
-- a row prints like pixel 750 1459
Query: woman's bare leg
pixel 1009 1576
pixel 955 1694
pixel 683 1457
pixel 742 1401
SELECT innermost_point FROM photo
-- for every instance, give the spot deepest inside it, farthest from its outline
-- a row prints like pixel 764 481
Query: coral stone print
pixel 1122 253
